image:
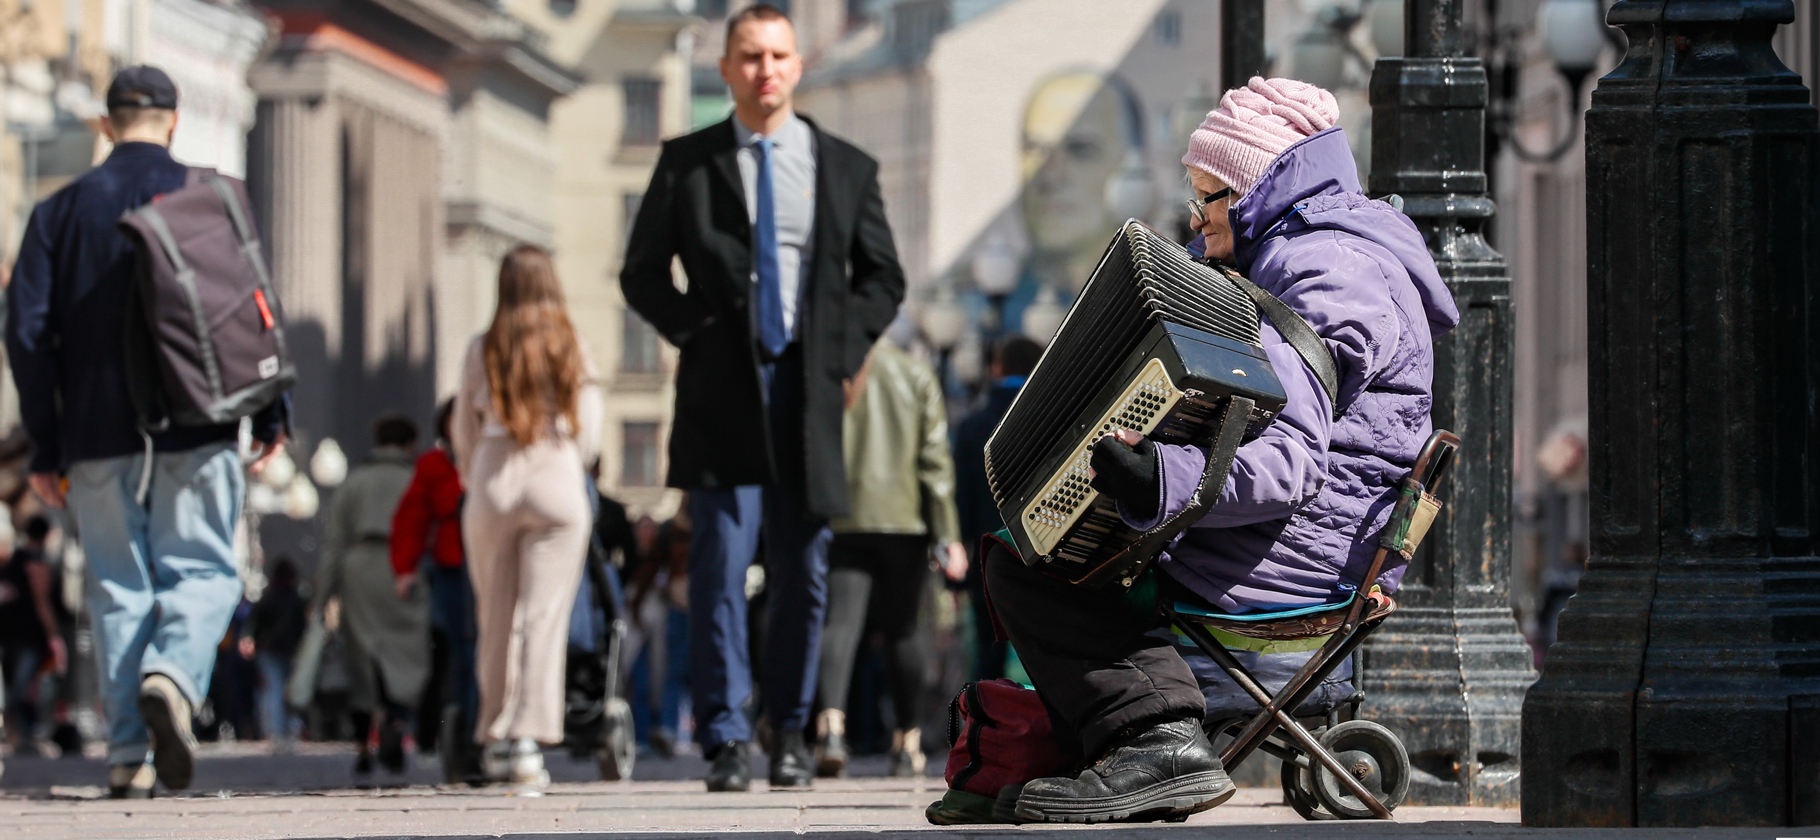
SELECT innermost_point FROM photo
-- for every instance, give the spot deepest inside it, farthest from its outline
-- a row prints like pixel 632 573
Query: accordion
pixel 1157 343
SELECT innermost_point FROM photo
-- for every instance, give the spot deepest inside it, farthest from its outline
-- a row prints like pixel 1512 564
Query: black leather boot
pixel 731 770
pixel 791 766
pixel 1165 772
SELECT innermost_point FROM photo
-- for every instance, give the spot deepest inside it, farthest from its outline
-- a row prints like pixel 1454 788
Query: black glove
pixel 1127 474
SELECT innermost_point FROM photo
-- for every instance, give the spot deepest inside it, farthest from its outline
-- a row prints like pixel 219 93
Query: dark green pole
pixel 1448 671
pixel 1684 689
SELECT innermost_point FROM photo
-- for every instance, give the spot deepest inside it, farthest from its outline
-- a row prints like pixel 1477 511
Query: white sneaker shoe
pixel 529 777
pixel 496 761
pixel 166 713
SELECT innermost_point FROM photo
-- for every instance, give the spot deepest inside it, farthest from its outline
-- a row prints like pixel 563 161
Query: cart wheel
pixel 1298 793
pixel 620 749
pixel 1375 757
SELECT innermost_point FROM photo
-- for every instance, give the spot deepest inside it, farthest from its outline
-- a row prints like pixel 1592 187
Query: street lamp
pixel 1044 316
pixel 1574 35
pixel 1131 194
pixel 943 321
pixel 996 268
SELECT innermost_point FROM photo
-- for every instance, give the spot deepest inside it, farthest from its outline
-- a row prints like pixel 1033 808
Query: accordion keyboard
pixel 1067 496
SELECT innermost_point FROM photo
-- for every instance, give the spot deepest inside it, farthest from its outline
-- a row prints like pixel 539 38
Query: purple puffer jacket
pixel 1302 510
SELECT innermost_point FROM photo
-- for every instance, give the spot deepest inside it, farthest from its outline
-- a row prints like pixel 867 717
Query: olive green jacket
pixel 900 473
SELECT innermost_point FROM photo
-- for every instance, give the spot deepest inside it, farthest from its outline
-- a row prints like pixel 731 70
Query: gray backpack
pixel 208 345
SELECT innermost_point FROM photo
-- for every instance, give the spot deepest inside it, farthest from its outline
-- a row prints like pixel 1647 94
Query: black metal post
pixel 1448 671
pixel 1685 687
pixel 1241 42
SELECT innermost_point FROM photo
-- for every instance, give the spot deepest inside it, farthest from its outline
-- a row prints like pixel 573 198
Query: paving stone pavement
pixel 245 792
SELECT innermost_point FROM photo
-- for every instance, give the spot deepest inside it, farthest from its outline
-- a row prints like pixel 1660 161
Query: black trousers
pixel 875 585
pixel 1089 655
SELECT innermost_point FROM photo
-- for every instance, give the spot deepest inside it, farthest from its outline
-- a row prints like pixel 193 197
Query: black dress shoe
pixel 791 766
pixel 731 770
pixel 1165 772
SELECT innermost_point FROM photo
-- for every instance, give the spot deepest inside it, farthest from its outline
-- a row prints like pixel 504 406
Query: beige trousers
pixel 526 523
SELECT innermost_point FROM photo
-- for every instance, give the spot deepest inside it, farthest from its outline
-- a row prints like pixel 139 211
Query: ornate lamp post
pixel 1447 673
pixel 943 320
pixel 1685 687
pixel 996 266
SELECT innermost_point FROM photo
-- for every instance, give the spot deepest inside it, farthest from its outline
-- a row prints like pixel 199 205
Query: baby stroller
pixel 597 720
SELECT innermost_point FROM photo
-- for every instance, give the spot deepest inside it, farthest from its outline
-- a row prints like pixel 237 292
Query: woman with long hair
pixel 526 423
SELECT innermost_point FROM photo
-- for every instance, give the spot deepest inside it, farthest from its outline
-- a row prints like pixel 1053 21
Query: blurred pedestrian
pixel 427 526
pixel 234 688
pixel 387 630
pixel 900 478
pixel 796 289
pixel 1013 359
pixel 526 423
pixel 30 643
pixel 660 599
pixel 156 511
pixel 276 629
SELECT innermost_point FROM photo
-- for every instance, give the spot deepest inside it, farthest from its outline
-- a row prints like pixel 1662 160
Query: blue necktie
pixel 772 335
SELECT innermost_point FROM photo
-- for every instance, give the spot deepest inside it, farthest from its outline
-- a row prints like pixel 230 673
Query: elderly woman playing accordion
pixel 1277 195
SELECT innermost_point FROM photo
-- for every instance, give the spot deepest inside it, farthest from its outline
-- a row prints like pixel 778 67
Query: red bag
pixel 999 737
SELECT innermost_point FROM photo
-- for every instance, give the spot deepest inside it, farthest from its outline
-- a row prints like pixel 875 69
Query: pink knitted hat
pixel 1256 123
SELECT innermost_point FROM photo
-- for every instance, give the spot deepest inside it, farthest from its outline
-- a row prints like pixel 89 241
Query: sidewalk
pixel 307 796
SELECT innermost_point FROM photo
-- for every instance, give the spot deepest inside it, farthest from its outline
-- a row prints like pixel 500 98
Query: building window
pixel 638 455
pixel 711 8
pixel 709 101
pixel 642 127
pixel 638 352
pixel 1169 28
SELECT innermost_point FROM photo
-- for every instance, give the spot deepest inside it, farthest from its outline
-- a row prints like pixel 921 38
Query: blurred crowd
pixel 376 647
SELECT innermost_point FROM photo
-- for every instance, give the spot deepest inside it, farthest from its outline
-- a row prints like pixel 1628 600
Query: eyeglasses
pixel 1197 207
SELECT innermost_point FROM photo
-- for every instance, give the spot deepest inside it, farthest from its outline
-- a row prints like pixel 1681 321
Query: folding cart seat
pixel 1332 768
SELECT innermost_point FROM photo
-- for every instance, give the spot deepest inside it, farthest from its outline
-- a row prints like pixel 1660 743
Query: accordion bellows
pixel 1156 342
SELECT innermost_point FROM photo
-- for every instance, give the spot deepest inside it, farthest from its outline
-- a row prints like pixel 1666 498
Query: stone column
pixel 1685 687
pixel 1447 673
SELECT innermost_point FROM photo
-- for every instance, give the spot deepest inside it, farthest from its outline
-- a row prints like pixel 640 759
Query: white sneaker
pixel 166 713
pixel 496 761
pixel 529 777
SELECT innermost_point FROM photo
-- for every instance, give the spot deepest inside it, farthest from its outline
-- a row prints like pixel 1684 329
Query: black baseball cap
pixel 142 86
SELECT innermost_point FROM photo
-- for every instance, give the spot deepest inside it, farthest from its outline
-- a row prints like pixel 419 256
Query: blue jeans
pixel 280 723
pixel 161 580
pixel 452 612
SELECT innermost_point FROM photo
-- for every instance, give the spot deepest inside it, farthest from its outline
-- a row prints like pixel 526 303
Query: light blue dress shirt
pixel 793 186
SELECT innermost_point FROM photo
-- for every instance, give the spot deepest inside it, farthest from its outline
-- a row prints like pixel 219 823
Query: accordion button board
pixel 1149 398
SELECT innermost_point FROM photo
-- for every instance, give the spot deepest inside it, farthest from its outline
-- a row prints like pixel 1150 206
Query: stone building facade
pixel 401 147
pixel 633 59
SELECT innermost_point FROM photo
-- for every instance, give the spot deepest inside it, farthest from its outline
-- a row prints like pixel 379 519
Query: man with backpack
pixel 156 509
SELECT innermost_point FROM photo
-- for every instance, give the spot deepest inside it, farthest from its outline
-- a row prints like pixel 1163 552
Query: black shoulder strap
pixel 1296 331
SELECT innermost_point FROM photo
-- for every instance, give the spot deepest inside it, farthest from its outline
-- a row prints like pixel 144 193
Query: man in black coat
pixel 792 275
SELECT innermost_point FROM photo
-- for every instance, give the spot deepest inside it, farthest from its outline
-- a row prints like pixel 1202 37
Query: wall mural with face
pixel 1083 172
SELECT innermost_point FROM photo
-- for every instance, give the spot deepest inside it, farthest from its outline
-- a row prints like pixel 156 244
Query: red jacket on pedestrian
pixel 429 515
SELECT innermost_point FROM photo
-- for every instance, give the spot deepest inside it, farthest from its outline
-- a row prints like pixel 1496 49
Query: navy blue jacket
pixel 66 318
pixel 972 495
